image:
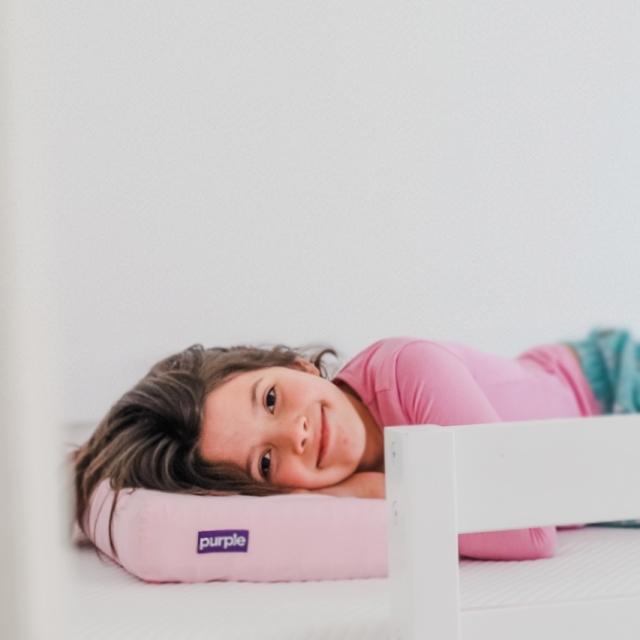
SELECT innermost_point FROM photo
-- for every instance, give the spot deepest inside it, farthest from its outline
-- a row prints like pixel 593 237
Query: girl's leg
pixel 610 360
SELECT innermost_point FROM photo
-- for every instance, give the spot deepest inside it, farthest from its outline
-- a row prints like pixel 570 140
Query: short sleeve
pixel 436 387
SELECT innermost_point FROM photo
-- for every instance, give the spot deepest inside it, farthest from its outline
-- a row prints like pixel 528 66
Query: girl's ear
pixel 305 365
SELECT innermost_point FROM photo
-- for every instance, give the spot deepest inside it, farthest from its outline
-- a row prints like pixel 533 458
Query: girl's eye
pixel 272 393
pixel 265 465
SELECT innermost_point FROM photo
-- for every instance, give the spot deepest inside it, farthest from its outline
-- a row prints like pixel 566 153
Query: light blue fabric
pixel 621 524
pixel 610 360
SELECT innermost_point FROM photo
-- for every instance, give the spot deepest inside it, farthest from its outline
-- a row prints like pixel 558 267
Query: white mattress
pixel 106 602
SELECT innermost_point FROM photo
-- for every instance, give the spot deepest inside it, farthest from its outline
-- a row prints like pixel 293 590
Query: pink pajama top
pixel 405 381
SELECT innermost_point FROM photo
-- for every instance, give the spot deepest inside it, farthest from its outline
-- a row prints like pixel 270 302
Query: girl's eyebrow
pixel 254 405
pixel 254 402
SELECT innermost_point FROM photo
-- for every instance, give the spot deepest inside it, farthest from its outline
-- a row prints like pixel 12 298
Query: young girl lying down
pixel 245 420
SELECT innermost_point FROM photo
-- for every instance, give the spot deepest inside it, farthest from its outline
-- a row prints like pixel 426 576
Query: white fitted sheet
pixel 106 602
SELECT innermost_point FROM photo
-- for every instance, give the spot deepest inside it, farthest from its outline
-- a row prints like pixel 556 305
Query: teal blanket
pixel 610 359
pixel 623 524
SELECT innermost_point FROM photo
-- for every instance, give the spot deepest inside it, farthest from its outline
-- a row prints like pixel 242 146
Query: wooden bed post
pixel 423 541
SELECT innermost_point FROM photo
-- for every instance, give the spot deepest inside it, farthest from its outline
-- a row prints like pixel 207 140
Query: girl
pixel 263 421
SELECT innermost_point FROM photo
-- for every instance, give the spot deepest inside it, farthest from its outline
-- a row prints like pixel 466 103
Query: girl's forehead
pixel 225 410
pixel 238 386
pixel 243 384
pixel 231 386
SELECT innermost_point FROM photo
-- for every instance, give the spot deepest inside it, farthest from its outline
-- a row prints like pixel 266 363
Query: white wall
pixel 226 172
pixel 285 171
pixel 340 171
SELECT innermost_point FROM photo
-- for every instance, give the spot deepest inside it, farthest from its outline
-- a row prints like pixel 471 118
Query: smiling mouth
pixel 323 438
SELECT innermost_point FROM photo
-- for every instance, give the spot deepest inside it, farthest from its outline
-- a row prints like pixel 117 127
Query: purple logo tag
pixel 225 540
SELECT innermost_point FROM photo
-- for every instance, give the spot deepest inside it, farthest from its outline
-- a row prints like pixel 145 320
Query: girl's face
pixel 291 427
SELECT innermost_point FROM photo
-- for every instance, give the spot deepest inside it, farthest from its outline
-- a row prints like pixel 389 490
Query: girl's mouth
pixel 324 438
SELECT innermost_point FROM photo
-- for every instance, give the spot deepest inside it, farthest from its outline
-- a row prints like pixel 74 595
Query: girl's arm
pixel 436 387
pixel 364 484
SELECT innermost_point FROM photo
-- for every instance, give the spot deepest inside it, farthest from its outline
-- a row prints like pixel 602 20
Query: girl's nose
pixel 300 434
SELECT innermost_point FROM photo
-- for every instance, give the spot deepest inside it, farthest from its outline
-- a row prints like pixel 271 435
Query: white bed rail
pixel 442 481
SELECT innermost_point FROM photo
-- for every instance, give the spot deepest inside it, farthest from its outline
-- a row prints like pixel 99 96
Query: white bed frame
pixel 463 479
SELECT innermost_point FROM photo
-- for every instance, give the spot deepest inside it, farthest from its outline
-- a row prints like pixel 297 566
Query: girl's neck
pixel 373 456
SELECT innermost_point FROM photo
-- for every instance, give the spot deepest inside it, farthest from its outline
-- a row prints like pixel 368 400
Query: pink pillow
pixel 168 537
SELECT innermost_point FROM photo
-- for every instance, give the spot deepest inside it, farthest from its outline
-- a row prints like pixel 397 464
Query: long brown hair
pixel 149 438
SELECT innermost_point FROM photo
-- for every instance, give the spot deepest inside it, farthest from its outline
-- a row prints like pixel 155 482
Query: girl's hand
pixel 365 484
